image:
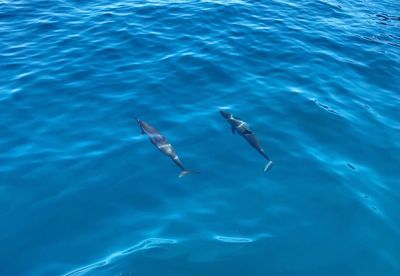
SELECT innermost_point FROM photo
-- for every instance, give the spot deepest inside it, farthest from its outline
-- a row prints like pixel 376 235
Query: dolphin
pixel 243 129
pixel 162 144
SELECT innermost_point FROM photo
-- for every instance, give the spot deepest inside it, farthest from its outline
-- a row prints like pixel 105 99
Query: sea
pixel 83 192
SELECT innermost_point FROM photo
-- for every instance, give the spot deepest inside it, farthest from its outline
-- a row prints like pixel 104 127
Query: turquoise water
pixel 83 193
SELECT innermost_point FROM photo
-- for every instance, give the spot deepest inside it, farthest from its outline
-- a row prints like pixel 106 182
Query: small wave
pixel 144 245
pixel 233 239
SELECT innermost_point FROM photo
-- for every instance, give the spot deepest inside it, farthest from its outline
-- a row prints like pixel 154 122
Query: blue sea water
pixel 83 193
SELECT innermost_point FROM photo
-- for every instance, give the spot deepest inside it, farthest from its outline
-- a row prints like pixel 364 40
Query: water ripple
pixel 233 239
pixel 317 81
pixel 144 245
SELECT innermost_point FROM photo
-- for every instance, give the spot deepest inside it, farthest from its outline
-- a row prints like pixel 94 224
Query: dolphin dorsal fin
pixel 246 129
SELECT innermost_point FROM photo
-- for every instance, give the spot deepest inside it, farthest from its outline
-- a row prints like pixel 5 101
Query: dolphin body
pixel 243 129
pixel 162 144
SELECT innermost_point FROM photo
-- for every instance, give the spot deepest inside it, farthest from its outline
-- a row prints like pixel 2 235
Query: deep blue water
pixel 83 193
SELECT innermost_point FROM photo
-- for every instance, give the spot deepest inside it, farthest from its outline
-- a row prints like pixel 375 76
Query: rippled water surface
pixel 83 193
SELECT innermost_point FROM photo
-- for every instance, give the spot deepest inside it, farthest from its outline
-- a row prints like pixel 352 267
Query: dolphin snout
pixel 225 114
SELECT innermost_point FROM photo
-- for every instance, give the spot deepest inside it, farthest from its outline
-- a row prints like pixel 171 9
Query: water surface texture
pixel 82 193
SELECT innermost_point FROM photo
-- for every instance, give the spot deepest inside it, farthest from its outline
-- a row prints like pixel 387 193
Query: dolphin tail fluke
pixel 266 168
pixel 186 172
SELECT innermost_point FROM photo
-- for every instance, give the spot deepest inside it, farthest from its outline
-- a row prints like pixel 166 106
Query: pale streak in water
pixel 143 245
